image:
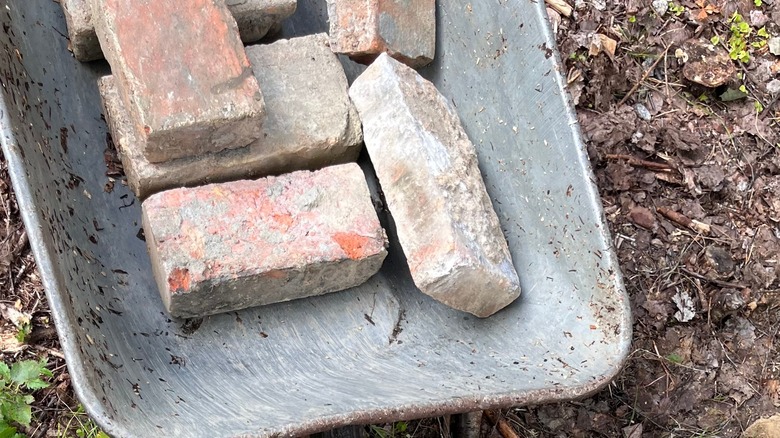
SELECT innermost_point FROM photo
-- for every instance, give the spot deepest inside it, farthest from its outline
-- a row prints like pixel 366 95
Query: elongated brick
pixel 255 18
pixel 362 29
pixel 182 73
pixel 428 171
pixel 311 123
pixel 230 246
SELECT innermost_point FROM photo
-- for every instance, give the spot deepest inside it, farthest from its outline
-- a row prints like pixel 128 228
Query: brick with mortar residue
pixel 255 18
pixel 428 171
pixel 182 73
pixel 230 246
pixel 311 122
pixel 362 29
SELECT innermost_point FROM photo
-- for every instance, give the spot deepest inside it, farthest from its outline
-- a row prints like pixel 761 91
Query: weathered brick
pixel 255 18
pixel 363 29
pixel 428 170
pixel 83 42
pixel 230 246
pixel 182 73
pixel 311 123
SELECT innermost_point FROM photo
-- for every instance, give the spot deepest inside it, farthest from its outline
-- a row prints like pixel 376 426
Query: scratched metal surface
pixel 379 352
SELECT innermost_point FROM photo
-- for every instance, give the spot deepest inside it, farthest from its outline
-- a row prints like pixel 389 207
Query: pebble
pixel 774 45
pixel 642 112
pixel 773 87
pixel 660 6
pixel 758 18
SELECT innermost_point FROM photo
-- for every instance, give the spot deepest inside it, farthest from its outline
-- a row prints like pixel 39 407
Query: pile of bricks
pixel 244 157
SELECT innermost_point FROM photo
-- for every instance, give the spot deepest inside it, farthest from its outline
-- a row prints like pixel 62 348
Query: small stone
pixel 311 122
pixel 428 171
pixel 255 18
pixel 773 87
pixel 660 7
pixel 774 45
pixel 644 218
pixel 642 112
pixel 225 247
pixel 706 64
pixel 758 18
pixel 764 428
pixel 719 258
pixel 182 73
pixel 404 29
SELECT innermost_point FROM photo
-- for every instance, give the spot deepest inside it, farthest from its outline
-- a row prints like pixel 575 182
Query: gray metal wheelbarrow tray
pixel 376 353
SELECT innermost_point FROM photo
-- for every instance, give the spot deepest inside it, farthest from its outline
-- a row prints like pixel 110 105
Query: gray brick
pixel 428 171
pixel 310 123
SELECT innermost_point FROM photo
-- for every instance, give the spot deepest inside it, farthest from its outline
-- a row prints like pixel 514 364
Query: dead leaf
pixel 686 310
pixel 601 43
pixel 9 343
pixel 644 218
pixel 705 63
pixel 633 431
pixel 17 318
pixel 705 10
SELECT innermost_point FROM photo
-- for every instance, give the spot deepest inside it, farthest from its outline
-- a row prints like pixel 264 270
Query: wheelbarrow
pixel 376 353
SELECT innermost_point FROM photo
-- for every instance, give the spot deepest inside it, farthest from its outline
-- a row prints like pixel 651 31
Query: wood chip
pixel 504 428
pixel 560 6
pixel 684 221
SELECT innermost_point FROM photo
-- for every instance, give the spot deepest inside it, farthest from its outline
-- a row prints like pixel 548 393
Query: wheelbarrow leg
pixel 468 425
pixel 353 431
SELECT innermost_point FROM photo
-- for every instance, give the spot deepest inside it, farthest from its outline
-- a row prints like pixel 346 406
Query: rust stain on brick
pixel 276 274
pixel 179 280
pixel 285 220
pixel 352 244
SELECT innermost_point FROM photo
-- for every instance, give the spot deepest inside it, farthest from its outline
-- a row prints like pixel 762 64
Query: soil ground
pixel 689 172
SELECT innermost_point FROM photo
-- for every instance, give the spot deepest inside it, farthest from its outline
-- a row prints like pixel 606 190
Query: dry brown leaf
pixel 561 6
pixel 608 45
pixel 9 343
pixel 602 43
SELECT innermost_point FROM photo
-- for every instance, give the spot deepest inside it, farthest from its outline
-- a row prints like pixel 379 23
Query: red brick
pixel 224 247
pixel 182 73
pixel 255 18
pixel 363 29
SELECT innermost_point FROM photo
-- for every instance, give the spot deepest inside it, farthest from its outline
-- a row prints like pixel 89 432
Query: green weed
pixel 16 384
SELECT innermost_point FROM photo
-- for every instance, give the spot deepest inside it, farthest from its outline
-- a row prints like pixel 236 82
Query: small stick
pixel 683 220
pixel 634 161
pixel 644 76
pixel 503 427
pixel 714 281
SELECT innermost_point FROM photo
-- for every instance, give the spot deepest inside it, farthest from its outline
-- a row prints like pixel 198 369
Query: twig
pixel 714 281
pixel 634 161
pixel 644 76
pixel 503 427
pixel 683 220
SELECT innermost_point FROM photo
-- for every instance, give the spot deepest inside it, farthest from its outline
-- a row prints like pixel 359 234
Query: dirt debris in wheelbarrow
pixel 300 367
